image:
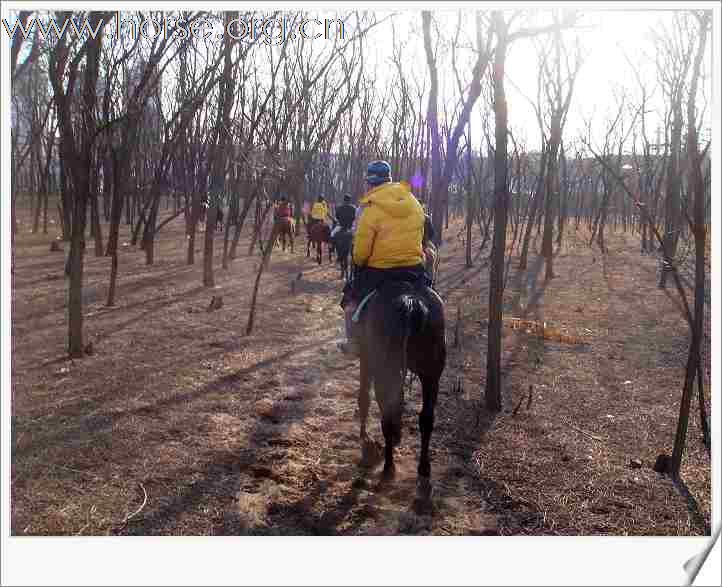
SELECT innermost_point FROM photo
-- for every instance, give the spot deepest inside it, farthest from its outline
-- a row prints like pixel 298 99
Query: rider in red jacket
pixel 284 209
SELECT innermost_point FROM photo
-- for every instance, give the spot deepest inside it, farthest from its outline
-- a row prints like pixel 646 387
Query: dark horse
pixel 318 233
pixel 283 228
pixel 342 242
pixel 403 330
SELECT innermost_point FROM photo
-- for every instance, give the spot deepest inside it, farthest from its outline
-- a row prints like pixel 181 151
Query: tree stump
pixel 216 303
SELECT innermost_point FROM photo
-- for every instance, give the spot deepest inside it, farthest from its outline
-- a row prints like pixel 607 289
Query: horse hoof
pixel 423 504
pixel 370 453
pixel 389 473
pixel 424 488
pixel 397 438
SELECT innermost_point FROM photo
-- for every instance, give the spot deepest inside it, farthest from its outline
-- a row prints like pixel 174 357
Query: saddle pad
pixel 361 306
pixel 436 295
pixel 357 314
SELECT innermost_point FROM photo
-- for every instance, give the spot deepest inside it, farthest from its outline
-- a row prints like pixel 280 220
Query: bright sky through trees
pixel 612 41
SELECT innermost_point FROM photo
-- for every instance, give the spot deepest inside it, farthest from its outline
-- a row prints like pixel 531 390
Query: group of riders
pixel 392 239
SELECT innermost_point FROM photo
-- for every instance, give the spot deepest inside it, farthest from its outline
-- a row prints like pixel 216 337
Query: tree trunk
pixel 564 197
pixel 672 207
pixel 437 189
pixel 211 216
pixel 266 258
pixel 551 195
pixel 538 197
pixel 696 188
pixel 193 228
pixel 501 197
pixel 95 219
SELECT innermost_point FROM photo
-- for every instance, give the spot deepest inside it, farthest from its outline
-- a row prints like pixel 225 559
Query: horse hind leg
pixel 370 449
pixel 391 427
pixel 430 392
pixel 388 396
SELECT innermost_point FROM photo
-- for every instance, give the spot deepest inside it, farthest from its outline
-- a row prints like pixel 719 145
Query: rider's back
pixel 319 211
pixel 283 211
pixel 346 213
pixel 390 230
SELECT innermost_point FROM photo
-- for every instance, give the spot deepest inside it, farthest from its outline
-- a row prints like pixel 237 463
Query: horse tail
pixel 414 313
pixel 408 316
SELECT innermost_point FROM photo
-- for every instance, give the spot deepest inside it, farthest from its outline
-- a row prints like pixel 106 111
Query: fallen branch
pixel 94 476
pixel 516 409
pixel 585 433
pixel 91 511
pixel 136 512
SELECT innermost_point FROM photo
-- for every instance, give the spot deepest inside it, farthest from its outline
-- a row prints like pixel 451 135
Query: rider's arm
pixel 363 240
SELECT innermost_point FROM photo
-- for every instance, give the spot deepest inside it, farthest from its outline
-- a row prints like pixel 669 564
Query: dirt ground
pixel 179 424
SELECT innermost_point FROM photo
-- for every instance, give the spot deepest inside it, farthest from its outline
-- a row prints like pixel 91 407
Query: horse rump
pixel 403 330
pixel 397 313
pixel 342 242
pixel 404 313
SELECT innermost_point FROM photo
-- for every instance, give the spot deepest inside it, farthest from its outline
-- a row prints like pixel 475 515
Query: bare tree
pixel 77 146
pixel 501 197
pixel 559 88
pixel 697 224
pixel 675 56
pixel 441 172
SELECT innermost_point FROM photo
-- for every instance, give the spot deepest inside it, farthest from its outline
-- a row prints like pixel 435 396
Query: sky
pixel 606 35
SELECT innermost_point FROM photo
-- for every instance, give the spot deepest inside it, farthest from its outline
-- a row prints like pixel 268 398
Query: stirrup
pixel 350 347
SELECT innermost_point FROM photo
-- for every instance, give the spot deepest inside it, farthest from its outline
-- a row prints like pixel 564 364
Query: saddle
pixel 426 290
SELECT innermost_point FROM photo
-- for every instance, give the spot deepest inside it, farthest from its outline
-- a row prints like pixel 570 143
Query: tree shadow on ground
pixel 71 425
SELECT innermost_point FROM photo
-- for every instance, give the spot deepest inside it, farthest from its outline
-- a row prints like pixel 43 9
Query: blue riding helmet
pixel 378 172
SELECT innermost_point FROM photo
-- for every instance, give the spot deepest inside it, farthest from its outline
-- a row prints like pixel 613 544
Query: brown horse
pixel 284 227
pixel 403 330
pixel 318 233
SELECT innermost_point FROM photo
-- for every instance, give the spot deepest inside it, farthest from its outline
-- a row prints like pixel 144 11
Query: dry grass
pixel 221 433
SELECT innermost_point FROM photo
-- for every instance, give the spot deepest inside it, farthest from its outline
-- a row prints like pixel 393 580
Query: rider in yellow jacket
pixel 319 211
pixel 387 243
pixel 391 228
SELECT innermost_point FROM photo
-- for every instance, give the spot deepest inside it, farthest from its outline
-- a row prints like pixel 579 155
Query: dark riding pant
pixel 367 279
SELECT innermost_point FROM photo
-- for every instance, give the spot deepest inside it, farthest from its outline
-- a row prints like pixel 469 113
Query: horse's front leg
pixel 364 398
pixel 370 449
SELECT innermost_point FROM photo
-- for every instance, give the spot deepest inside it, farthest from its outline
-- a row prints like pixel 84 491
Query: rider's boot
pixel 351 345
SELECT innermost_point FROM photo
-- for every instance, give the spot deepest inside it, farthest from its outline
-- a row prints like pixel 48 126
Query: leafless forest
pixel 174 370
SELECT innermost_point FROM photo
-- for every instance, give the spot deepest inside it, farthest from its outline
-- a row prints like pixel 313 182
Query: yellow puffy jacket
pixel 390 228
pixel 319 211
